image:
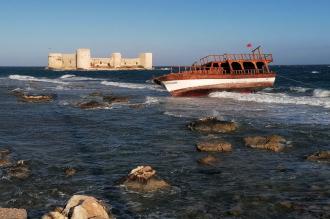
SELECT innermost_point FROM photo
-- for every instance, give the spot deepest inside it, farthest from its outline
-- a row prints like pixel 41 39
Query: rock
pixel 274 142
pixel 80 206
pixel 286 204
pixel 114 99
pixel 13 213
pixel 5 162
pixel 4 152
pixel 70 171
pixel 20 170
pixel 144 179
pixel 320 156
pixel 209 160
pixel 212 125
pixel 91 105
pixel 36 98
pixel 214 146
pixel 54 215
pixel 79 213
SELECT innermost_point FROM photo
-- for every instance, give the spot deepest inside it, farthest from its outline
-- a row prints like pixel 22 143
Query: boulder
pixel 36 98
pixel 214 146
pixel 20 170
pixel 274 143
pixel 82 206
pixel 91 105
pixel 208 160
pixel 321 156
pixel 212 125
pixel 13 213
pixel 137 106
pixel 144 179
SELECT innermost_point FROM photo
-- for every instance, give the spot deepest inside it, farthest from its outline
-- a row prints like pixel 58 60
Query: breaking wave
pixel 279 98
pixel 321 93
pixel 31 78
pixel 132 85
pixel 299 89
pixel 67 76
pixel 315 72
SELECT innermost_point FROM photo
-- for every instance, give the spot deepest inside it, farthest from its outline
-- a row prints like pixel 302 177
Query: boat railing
pixel 236 57
pixel 215 70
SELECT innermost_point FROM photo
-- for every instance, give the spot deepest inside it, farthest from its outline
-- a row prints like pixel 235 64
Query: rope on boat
pixel 290 79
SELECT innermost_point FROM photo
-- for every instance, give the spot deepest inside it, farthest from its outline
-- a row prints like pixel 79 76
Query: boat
pixel 227 72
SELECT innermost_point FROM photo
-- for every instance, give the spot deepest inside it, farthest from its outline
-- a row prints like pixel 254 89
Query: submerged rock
pixel 214 146
pixel 208 160
pixel 4 159
pixel 4 152
pixel 321 156
pixel 137 106
pixel 36 98
pixel 80 207
pixel 20 170
pixel 144 179
pixel 274 142
pixel 212 125
pixel 115 99
pixel 92 105
pixel 13 213
pixel 70 171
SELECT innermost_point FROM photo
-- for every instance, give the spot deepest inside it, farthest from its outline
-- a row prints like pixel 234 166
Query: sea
pixel 105 144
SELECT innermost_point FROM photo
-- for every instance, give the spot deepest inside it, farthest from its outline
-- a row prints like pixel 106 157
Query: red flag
pixel 249 45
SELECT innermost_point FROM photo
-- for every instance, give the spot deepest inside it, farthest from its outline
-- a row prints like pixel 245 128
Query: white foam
pixel 31 78
pixel 321 93
pixel 132 85
pixel 67 76
pixel 315 72
pixel 151 100
pixel 299 89
pixel 279 98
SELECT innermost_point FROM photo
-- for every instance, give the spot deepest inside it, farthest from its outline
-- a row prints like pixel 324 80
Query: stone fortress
pixel 82 60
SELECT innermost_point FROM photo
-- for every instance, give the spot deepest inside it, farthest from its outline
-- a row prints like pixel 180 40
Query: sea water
pixel 106 143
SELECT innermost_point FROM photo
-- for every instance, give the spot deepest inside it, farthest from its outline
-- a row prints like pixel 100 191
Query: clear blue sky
pixel 176 31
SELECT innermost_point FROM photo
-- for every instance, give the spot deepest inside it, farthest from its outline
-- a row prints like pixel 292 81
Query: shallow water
pixel 105 144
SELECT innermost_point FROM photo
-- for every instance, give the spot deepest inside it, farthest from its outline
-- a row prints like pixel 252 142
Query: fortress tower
pixel 83 58
pixel 146 60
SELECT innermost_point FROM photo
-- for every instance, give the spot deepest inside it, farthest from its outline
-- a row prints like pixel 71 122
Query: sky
pixel 177 32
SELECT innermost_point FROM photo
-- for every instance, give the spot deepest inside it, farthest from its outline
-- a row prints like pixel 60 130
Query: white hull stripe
pixel 195 83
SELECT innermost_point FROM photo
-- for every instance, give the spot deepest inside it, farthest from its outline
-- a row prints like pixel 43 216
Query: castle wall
pixel 55 60
pixel 101 62
pixel 130 62
pixel 69 61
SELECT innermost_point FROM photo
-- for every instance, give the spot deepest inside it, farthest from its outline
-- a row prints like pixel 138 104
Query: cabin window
pixel 225 67
pixel 236 66
pixel 260 65
pixel 248 65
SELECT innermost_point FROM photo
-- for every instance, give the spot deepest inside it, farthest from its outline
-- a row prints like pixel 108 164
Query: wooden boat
pixel 227 72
